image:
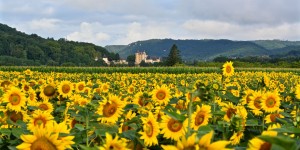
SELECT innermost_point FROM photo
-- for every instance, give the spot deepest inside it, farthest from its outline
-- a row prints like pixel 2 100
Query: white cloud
pixel 89 32
pixel 217 29
pixel 44 24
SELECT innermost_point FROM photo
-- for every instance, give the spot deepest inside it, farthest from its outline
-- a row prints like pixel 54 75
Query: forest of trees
pixel 17 48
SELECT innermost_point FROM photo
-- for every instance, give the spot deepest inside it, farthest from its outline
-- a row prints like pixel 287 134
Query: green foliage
pixel 174 56
pixel 20 49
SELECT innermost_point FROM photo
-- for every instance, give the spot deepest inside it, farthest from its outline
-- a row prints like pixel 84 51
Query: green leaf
pixel 292 130
pixel 5 131
pixel 203 130
pixel 17 132
pixel 80 127
pixel 129 134
pixel 251 122
pixel 175 116
pixel 131 106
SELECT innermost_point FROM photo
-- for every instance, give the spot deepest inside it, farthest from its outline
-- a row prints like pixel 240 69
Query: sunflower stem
pixel 87 126
pixel 190 116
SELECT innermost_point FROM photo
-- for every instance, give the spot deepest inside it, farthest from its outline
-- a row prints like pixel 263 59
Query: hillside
pixel 17 48
pixel 208 49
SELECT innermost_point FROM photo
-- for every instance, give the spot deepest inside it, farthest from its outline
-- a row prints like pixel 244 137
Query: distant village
pixel 139 57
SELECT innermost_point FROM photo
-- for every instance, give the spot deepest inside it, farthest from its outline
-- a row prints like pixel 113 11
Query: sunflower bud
pixel 237 123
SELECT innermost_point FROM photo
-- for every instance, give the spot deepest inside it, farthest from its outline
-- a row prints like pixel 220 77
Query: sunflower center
pixel 15 99
pixel 270 102
pixel 80 87
pixel 73 123
pixel 257 103
pixel 228 69
pixel 26 87
pixel 66 89
pixel 149 129
pixel 273 117
pixel 15 116
pixel 49 90
pixel 43 107
pixel 160 95
pixel 265 146
pixel 199 118
pixel 174 125
pixel 40 121
pixel 109 109
pixel 230 112
pixel 42 144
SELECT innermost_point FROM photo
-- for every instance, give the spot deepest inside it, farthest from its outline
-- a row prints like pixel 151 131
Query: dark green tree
pixel 174 56
pixel 131 60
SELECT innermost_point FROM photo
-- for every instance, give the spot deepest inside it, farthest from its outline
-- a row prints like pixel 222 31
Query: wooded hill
pixel 207 49
pixel 18 48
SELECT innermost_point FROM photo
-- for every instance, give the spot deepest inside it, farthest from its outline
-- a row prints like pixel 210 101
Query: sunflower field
pixel 226 109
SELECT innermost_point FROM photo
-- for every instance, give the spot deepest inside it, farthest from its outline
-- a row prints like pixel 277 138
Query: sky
pixel 121 22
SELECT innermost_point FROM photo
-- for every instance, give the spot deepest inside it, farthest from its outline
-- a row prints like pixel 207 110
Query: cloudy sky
pixel 108 22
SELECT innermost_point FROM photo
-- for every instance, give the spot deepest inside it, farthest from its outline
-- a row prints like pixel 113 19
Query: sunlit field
pixel 181 110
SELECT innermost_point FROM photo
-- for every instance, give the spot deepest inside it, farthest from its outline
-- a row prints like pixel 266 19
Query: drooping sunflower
pixel 65 88
pixel 271 118
pixel 270 102
pixel 114 143
pixel 150 130
pixel 184 144
pixel 172 128
pixel 110 109
pixel 46 139
pixel 205 142
pixel 228 69
pixel 161 94
pixel 230 111
pixel 39 118
pixel 201 116
pixel 15 99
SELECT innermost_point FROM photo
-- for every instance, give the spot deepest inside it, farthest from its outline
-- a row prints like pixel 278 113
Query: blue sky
pixel 110 22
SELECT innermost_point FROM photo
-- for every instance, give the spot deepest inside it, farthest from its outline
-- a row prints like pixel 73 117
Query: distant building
pixel 142 56
pixel 105 59
pixel 120 62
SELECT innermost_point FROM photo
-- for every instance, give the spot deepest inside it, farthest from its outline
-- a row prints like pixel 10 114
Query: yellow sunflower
pixel 48 91
pixel 205 142
pixel 105 87
pixel 80 87
pixel 114 143
pixel 150 130
pixel 110 109
pixel 161 94
pixel 15 116
pixel 45 106
pixel 31 97
pixel 45 139
pixel 184 144
pixel 201 116
pixel 39 118
pixel 247 96
pixel 228 69
pixel 258 144
pixel 297 91
pixel 255 103
pixel 171 128
pixel 270 102
pixel 141 99
pixel 15 99
pixel 65 89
